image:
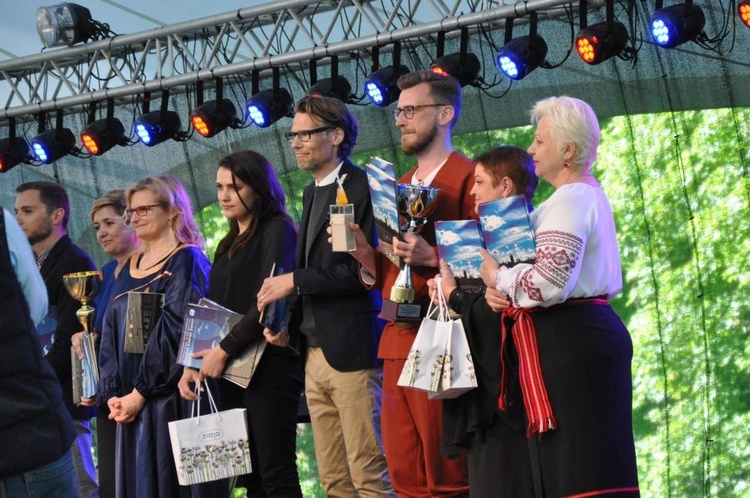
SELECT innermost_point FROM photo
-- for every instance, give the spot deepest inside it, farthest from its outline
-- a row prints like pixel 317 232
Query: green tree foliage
pixel 680 190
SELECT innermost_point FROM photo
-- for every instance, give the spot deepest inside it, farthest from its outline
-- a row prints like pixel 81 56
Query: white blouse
pixel 576 251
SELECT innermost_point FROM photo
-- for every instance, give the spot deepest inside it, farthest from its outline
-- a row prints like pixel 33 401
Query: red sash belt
pixel 535 398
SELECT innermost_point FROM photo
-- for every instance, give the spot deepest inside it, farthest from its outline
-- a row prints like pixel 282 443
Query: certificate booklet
pixel 85 371
pixel 383 191
pixel 209 324
pixel 276 315
pixel 458 243
pixel 202 328
pixel 506 230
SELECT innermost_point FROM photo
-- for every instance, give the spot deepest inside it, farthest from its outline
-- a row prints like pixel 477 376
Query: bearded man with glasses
pixel 336 315
pixel 429 106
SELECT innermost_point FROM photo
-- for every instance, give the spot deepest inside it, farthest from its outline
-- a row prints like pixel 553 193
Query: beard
pixel 422 141
pixel 41 233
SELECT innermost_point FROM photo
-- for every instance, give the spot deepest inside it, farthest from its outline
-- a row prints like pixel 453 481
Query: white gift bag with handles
pixel 423 369
pixel 458 374
pixel 210 447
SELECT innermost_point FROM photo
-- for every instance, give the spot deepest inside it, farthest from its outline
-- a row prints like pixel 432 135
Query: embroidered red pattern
pixel 557 254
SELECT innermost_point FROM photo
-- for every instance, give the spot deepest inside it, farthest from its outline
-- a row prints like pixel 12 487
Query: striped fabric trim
pixel 611 491
pixel 535 398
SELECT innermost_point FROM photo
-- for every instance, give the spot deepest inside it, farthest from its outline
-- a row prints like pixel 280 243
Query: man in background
pixel 42 211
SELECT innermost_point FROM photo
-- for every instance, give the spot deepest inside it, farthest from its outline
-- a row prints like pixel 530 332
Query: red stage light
pixel 200 125
pixel 744 10
pixel 90 143
pixel 600 42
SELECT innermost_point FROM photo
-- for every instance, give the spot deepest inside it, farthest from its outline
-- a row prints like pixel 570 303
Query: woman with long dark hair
pixel 260 236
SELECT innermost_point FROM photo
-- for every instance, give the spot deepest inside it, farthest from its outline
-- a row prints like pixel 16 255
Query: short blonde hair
pixel 171 194
pixel 571 120
pixel 114 199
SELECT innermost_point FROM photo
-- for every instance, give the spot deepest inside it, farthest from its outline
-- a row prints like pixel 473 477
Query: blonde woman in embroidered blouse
pixel 574 351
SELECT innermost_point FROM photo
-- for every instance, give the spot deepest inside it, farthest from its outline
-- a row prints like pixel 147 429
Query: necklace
pixel 163 259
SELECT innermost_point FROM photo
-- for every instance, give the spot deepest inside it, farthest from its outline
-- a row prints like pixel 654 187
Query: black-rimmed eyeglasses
pixel 305 135
pixel 410 109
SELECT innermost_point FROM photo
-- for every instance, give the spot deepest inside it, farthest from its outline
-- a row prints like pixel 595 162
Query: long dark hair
pixel 255 171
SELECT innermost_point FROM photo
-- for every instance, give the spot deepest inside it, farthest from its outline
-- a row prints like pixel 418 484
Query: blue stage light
pixel 51 145
pixel 381 85
pixel 522 55
pixel 266 107
pixel 157 126
pixel 677 24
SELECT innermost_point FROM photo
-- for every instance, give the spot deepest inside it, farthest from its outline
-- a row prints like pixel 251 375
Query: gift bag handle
pixel 195 410
pixel 442 306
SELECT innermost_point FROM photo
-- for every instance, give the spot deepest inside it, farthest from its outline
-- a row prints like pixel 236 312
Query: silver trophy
pixel 415 204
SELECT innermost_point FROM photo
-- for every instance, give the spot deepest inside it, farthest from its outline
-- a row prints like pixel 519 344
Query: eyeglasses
pixel 409 110
pixel 306 135
pixel 141 211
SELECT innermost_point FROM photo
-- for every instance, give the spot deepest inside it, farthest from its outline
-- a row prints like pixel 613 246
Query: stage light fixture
pixel 213 117
pixel 744 11
pixel 266 107
pixel 674 25
pixel 13 151
pixel 462 65
pixel 51 145
pixel 600 42
pixel 381 85
pixel 101 135
pixel 464 69
pixel 522 55
pixel 65 24
pixel 337 87
pixel 155 127
pixel 519 56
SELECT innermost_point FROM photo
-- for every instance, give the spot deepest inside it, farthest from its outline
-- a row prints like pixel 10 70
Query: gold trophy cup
pixel 83 286
pixel 415 204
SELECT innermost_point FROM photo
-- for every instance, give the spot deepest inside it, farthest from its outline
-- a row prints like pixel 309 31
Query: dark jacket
pixel 345 312
pixel 64 258
pixel 35 428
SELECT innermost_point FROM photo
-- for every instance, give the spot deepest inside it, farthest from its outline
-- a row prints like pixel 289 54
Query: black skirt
pixel 585 353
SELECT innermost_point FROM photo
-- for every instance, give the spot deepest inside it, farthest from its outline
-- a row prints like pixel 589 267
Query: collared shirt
pixel 425 182
pixel 330 178
pixel 42 257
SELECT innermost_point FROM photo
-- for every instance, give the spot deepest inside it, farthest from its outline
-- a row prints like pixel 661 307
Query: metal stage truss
pixel 254 39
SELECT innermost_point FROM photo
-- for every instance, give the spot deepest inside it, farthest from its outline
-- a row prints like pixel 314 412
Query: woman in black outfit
pixel 494 439
pixel 261 234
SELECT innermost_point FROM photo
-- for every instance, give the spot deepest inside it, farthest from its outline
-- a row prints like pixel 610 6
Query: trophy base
pixel 401 312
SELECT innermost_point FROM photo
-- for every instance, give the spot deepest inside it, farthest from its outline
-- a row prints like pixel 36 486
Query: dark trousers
pixel 271 401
